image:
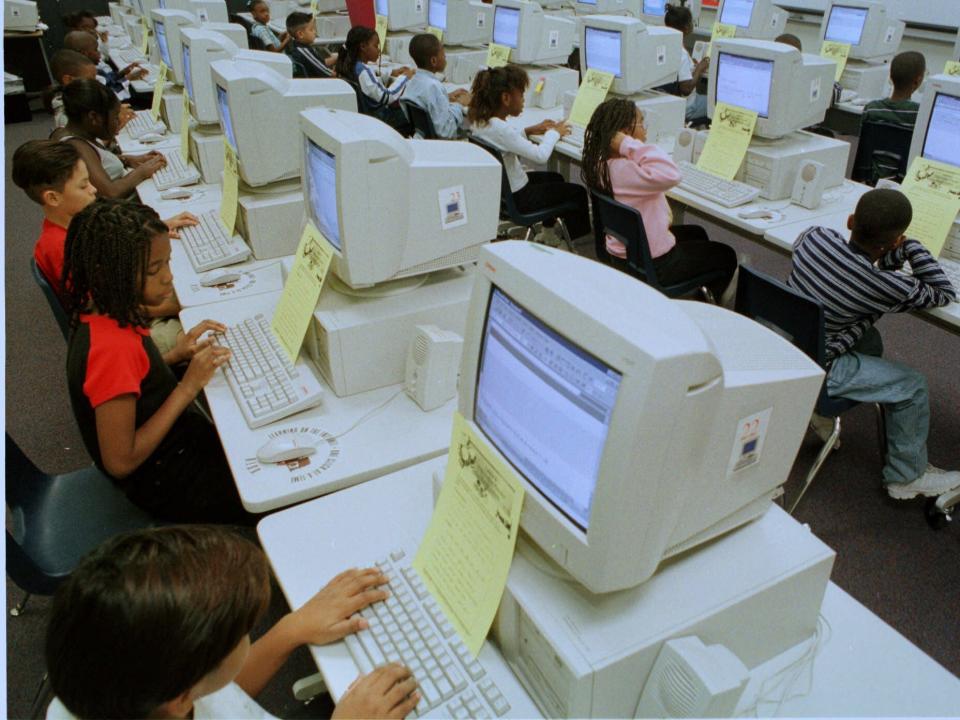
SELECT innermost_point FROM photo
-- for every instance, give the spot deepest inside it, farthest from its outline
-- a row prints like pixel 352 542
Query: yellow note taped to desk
pixel 838 52
pixel 231 187
pixel 934 192
pixel 144 35
pixel 728 140
pixel 185 126
pixel 720 30
pixel 593 91
pixel 158 91
pixel 497 55
pixel 381 28
pixel 302 289
pixel 952 68
pixel 466 552
pixel 436 32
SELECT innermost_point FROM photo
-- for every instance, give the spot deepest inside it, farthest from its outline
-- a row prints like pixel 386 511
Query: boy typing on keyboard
pixel 157 623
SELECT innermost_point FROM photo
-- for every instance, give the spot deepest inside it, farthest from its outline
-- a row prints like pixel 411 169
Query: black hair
pixel 677 17
pixel 64 62
pixel 88 96
pixel 254 3
pixel 350 51
pixel 75 19
pixel 906 68
pixel 80 39
pixel 791 40
pixel 881 217
pixel 423 47
pixel 148 614
pixel 488 88
pixel 611 116
pixel 106 255
pixel 296 21
pixel 40 165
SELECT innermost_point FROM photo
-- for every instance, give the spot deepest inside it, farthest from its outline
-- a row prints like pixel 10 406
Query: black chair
pixel 420 119
pixel 253 42
pixel 800 320
pixel 510 211
pixel 611 217
pixel 52 300
pixel 882 152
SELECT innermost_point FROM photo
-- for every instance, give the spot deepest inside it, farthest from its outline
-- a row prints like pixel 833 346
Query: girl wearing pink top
pixel 617 161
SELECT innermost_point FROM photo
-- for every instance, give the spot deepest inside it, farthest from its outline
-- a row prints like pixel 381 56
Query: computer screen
pixel 745 82
pixel 382 8
pixel 506 26
pixel 223 108
pixel 321 180
pixel 437 14
pixel 187 73
pixel 943 130
pixel 845 24
pixel 162 3
pixel 602 50
pixel 737 12
pixel 160 31
pixel 654 7
pixel 545 404
pixel 587 2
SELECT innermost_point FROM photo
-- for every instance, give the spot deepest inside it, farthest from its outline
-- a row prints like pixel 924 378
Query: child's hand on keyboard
pixel 202 367
pixel 127 114
pixel 146 167
pixel 331 614
pixel 387 692
pixel 184 219
pixel 189 343
pixel 562 127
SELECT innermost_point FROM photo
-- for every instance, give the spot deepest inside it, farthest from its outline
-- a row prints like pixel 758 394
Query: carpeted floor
pixel 887 556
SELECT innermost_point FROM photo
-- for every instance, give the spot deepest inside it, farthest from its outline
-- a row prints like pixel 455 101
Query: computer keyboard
pixel 952 270
pixel 575 137
pixel 728 193
pixel 265 384
pixel 142 123
pixel 410 628
pixel 126 56
pixel 208 246
pixel 175 173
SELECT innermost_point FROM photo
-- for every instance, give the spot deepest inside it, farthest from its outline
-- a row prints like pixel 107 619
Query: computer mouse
pixel 147 138
pixel 175 193
pixel 760 213
pixel 286 447
pixel 219 277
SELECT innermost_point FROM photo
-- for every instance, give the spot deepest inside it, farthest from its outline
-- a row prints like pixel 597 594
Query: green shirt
pixel 895 112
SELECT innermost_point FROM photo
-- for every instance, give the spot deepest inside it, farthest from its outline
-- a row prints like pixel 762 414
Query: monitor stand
pixel 270 217
pixel 172 106
pixel 549 85
pixel 772 165
pixel 463 64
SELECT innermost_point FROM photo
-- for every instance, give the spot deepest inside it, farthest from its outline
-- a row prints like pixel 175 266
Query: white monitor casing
pixel 205 10
pixel 20 15
pixel 464 22
pixel 936 85
pixel 541 38
pixel 652 11
pixel 880 33
pixel 759 19
pixel 649 56
pixel 402 14
pixel 608 7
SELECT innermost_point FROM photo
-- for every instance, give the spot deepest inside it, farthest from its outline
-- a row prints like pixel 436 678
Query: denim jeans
pixel 861 374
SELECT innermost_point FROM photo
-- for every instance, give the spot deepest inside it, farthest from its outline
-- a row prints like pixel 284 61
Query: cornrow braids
pixel 610 117
pixel 350 51
pixel 488 88
pixel 106 255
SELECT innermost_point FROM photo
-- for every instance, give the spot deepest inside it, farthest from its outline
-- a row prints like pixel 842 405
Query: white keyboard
pixel 126 56
pixel 575 137
pixel 265 384
pixel 208 246
pixel 410 628
pixel 142 123
pixel 175 173
pixel 728 193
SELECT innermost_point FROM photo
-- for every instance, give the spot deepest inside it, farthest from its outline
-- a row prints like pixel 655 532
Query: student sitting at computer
pixel 93 119
pixel 260 10
pixel 680 18
pixel 907 71
pixel 309 61
pixel 447 112
pixel 156 623
pixel 141 426
pixel 85 20
pixel 857 282
pixel 117 80
pixel 380 95
pixel 67 66
pixel 617 161
pixel 497 94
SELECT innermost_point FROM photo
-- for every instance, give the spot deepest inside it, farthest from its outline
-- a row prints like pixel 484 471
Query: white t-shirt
pixel 686 67
pixel 229 703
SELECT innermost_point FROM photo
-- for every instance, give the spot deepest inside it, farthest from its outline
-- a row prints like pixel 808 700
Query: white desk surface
pixel 396 434
pixel 256 277
pixel 864 668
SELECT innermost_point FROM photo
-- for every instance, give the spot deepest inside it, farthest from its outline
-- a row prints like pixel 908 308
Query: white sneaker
pixel 548 236
pixel 932 483
pixel 823 428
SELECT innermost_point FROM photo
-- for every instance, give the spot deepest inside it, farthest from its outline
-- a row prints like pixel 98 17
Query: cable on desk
pixel 369 414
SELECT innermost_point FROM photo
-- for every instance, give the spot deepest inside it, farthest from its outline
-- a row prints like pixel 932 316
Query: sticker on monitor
pixel 453 207
pixel 748 441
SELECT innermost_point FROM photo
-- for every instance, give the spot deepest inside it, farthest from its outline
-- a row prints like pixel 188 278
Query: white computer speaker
pixel 808 187
pixel 433 361
pixel 690 679
pixel 683 148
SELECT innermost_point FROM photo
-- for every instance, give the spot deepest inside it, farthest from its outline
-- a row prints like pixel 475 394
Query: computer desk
pixel 865 667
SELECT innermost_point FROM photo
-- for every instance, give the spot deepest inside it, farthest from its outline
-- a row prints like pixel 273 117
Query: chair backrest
pixel 506 197
pixel 882 152
pixel 53 301
pixel 24 481
pixel 611 217
pixel 420 119
pixel 364 104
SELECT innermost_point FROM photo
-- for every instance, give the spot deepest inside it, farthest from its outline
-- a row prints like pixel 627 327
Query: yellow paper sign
pixel 314 7
pixel 231 187
pixel 728 140
pixel 185 126
pixel 144 35
pixel 302 290
pixel 497 55
pixel 720 30
pixel 381 28
pixel 934 192
pixel 593 90
pixel 466 552
pixel 435 31
pixel 838 52
pixel 158 91
pixel 952 68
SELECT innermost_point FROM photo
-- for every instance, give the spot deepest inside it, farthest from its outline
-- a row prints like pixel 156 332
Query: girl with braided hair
pixel 140 426
pixel 618 161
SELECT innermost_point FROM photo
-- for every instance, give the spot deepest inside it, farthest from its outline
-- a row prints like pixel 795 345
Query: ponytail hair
pixel 678 17
pixel 85 96
pixel 488 88
pixel 611 116
pixel 350 51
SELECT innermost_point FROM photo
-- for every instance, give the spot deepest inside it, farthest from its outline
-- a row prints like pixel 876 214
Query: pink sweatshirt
pixel 639 178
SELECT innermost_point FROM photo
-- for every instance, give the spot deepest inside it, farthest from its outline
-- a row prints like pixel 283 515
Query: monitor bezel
pixel 926 130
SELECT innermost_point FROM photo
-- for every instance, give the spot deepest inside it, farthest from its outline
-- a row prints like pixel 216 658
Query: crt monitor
pixel 936 134
pixel 394 208
pixel 145 7
pixel 258 114
pixel 532 35
pixel 463 22
pixel 652 11
pixel 624 428
pixel 869 27
pixel 956 47
pixel 402 14
pixel 204 10
pixel 787 89
pixel 609 7
pixel 759 19
pixel 638 56
pixel 163 43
